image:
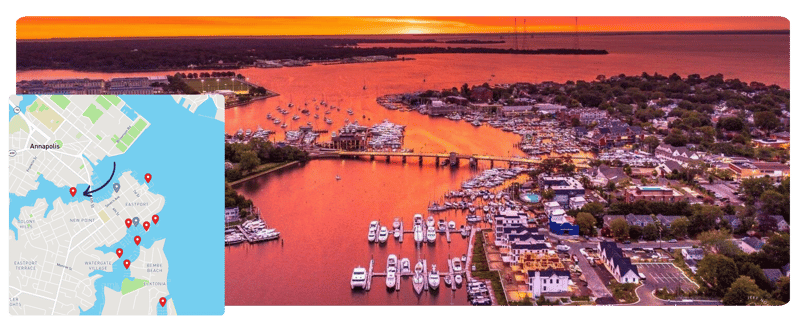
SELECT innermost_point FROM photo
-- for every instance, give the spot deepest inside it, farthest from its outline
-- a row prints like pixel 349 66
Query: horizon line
pixel 621 32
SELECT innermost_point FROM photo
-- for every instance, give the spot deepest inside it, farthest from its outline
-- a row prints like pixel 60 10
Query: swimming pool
pixel 531 197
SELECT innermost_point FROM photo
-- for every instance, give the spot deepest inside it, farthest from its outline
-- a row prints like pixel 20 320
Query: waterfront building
pixel 546 108
pixel 548 281
pixel 564 188
pixel 82 86
pixel 516 110
pixel 520 248
pixel 130 86
pixel 232 215
pixel 662 194
pixel 440 108
pixel 586 115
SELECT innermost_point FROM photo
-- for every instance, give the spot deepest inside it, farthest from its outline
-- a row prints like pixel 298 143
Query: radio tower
pixel 515 29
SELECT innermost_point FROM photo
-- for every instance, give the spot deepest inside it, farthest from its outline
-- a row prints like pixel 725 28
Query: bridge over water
pixel 453 157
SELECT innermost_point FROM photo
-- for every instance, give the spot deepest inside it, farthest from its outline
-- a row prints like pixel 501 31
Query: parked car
pixel 672 240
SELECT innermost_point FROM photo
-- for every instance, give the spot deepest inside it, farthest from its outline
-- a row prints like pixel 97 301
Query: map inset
pixel 112 203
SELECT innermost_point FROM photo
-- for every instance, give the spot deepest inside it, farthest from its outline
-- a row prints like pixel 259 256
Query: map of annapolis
pixel 111 201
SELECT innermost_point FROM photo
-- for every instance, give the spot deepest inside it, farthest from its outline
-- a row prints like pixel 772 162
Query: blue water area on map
pixel 26 100
pixel 46 190
pixel 163 310
pixel 207 108
pixel 129 112
pixel 183 152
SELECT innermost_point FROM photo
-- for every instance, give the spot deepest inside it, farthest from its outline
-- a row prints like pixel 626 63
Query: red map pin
pixel 137 240
pixel 128 222
pixel 162 301
pixel 148 177
pixel 119 252
pixel 155 219
pixel 73 191
pixel 126 263
pixel 146 225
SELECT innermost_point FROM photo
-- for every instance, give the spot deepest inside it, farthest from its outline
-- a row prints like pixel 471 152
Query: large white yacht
pixel 359 278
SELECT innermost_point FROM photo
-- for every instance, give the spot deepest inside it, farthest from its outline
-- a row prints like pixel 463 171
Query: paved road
pixel 595 284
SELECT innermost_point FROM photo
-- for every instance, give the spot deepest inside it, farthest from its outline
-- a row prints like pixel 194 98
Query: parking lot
pixel 723 190
pixel 665 275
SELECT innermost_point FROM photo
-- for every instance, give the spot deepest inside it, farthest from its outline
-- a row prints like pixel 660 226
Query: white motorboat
pixel 418 219
pixel 431 234
pixel 383 235
pixel 391 279
pixel 458 279
pixel 359 279
pixel 371 236
pixel 451 224
pixel 418 280
pixel 396 223
pixel 457 265
pixel 430 221
pixel 448 280
pixel 338 178
pixel 397 233
pixel 418 233
pixel 433 278
pixel 391 261
pixel 464 258
pixel 373 225
pixel 463 231
pixel 405 265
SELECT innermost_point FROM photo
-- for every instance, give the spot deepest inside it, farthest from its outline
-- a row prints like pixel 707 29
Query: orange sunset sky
pixel 93 27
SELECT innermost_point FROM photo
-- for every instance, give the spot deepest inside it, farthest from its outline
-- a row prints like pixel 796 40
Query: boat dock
pixel 400 239
pixel 451 273
pixel 369 280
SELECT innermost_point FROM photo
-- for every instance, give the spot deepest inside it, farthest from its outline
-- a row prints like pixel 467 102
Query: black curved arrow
pixel 88 193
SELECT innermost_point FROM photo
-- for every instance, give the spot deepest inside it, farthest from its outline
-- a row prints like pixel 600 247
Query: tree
pixel 776 251
pixel 774 204
pixel 680 227
pixel 719 272
pixel 548 194
pixel 781 292
pixel 249 160
pixel 587 223
pixel 766 120
pixel 753 188
pixel 756 274
pixel 593 208
pixel 650 232
pixel 651 143
pixel 620 228
pixel 743 292
pixel 731 123
pixel 718 241
pixel 676 138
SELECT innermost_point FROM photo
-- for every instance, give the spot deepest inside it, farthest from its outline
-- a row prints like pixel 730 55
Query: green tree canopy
pixel 587 223
pixel 719 272
pixel 620 228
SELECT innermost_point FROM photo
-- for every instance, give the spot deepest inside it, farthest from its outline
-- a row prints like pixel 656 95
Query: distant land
pixel 137 54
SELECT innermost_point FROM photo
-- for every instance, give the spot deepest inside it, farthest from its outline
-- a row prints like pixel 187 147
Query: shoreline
pixel 255 175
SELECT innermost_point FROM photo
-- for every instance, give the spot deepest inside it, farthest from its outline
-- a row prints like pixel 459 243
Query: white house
pixel 577 202
pixel 519 248
pixel 548 281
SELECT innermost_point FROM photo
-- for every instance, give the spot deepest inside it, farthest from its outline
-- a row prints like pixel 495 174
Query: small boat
pixel 405 265
pixel 418 280
pixel 383 235
pixel 463 231
pixel 464 258
pixel 458 279
pixel 451 224
pixel 396 223
pixel 338 178
pixel 457 265
pixel 430 221
pixel 418 219
pixel 371 237
pixel 448 280
pixel 433 278
pixel 359 279
pixel 418 233
pixel 397 233
pixel 431 234
pixel 391 261
pixel 391 279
